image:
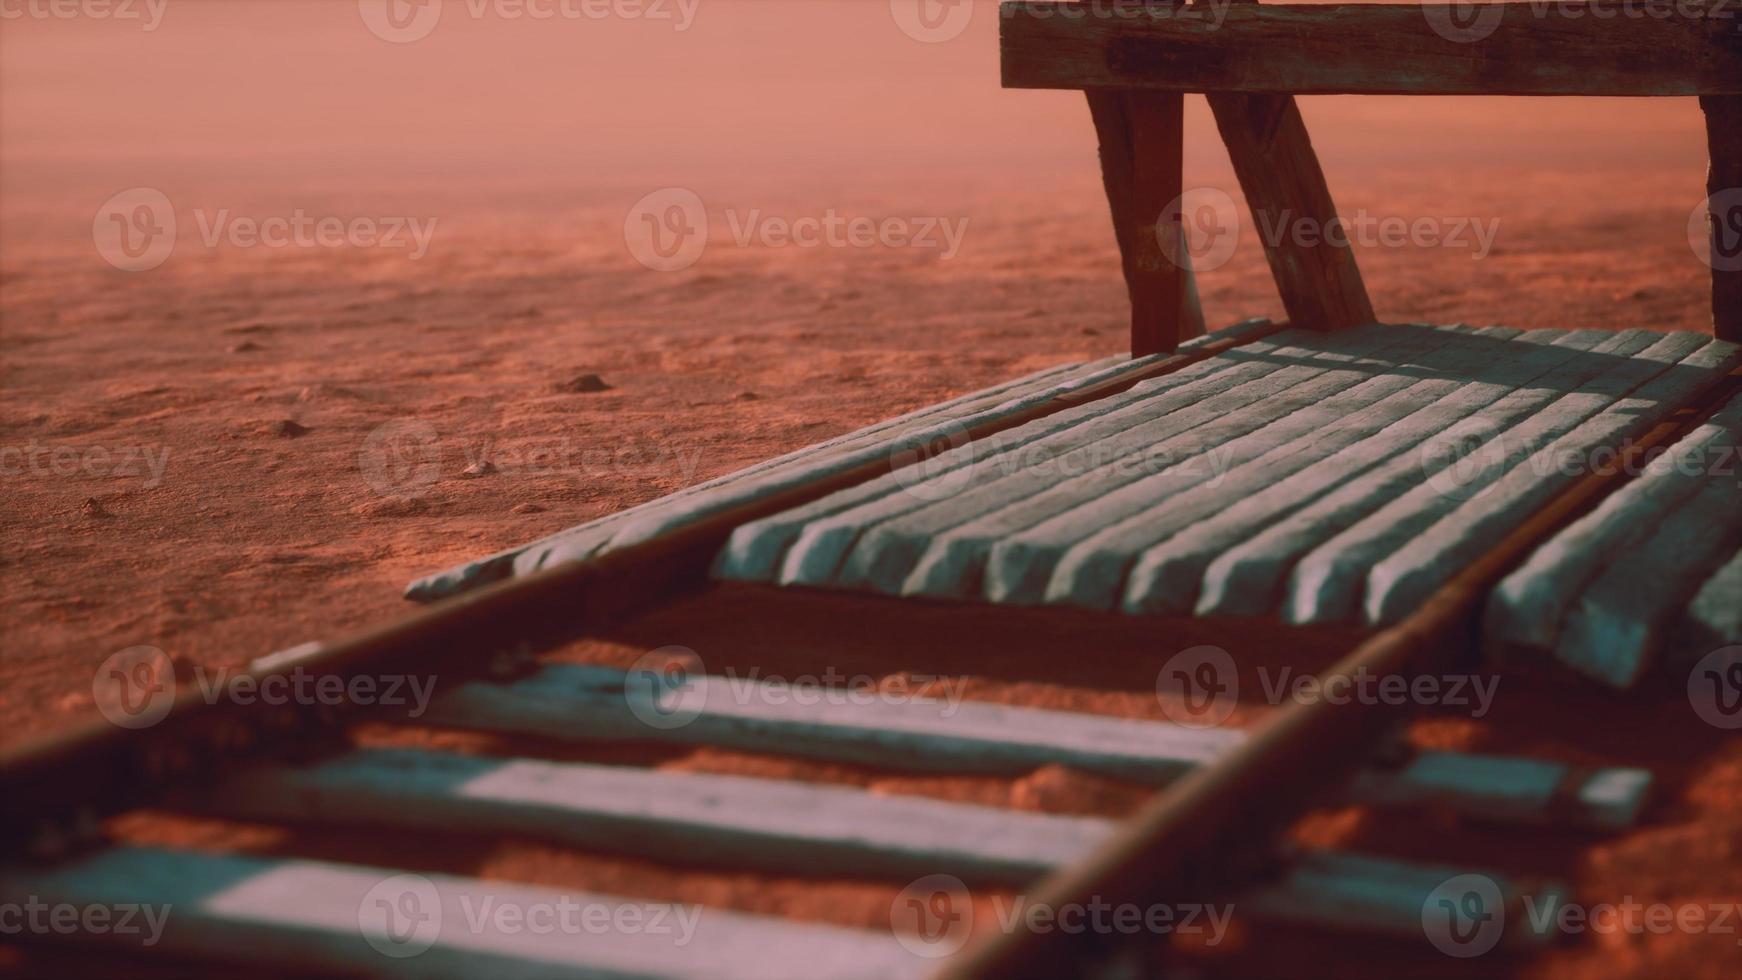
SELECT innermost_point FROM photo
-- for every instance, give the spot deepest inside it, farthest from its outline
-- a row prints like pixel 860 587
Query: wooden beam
pixel 1724 185
pixel 1364 49
pixel 1292 209
pixel 1142 139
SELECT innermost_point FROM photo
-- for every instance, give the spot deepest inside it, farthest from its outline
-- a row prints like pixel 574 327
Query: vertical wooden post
pixel 1724 185
pixel 1292 210
pixel 1142 136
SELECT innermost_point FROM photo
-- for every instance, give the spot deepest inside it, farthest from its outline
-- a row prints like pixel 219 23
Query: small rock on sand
pixel 94 508
pixel 528 508
pixel 245 347
pixel 482 467
pixel 285 429
pixel 583 384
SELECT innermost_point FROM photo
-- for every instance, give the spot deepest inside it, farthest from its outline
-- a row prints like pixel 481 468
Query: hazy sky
pixel 784 84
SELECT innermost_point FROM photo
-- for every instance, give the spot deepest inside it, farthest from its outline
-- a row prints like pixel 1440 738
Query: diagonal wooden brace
pixel 1285 188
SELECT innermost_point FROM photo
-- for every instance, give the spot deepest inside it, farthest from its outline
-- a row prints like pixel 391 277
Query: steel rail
pixel 56 788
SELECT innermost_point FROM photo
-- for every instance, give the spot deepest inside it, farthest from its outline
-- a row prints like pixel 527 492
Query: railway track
pixel 1183 801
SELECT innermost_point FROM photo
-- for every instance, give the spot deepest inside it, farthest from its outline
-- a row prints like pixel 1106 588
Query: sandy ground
pixel 189 454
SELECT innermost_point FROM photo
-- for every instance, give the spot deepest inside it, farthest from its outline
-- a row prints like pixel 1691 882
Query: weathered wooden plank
pixel 925 734
pixel 1092 571
pixel 1292 209
pixel 325 919
pixel 943 550
pixel 1020 564
pixel 895 538
pixel 593 534
pixel 1328 583
pixel 1714 618
pixel 1364 49
pixel 1404 579
pixel 1724 197
pixel 756 550
pixel 944 735
pixel 687 818
pixel 1261 567
pixel 1327 889
pixel 1175 576
pixel 795 828
pixel 949 500
pixel 1616 625
pixel 1512 790
pixel 1142 137
pixel 1529 606
pixel 347 919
